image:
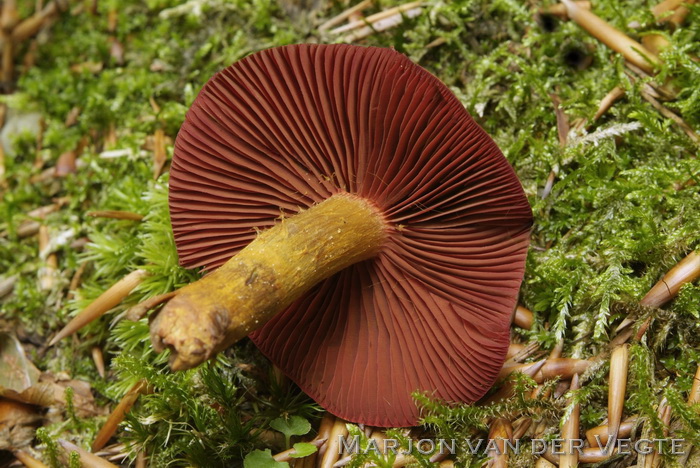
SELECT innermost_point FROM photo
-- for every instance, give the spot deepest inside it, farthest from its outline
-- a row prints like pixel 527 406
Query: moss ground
pixel 624 206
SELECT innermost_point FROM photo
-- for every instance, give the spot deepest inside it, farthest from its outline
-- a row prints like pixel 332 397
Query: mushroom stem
pixel 266 277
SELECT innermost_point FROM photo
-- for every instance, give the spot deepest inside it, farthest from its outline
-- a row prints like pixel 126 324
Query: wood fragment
pixel 363 5
pixel 523 317
pixel 117 416
pixel 99 360
pixel 28 461
pixel 382 15
pixel 115 214
pixel 87 459
pixel 382 24
pixel 109 299
pixel 632 50
pixel 619 362
pixel 569 432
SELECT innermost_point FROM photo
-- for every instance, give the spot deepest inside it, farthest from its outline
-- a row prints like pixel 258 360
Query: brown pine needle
pixel 655 43
pixel 666 112
pixel 523 354
pixel 76 279
pixel 663 9
pixel 607 102
pixel 694 395
pixel 624 430
pixel 331 455
pixel 87 459
pixel 507 390
pixel 655 459
pixel 513 349
pixel 555 353
pixel 115 214
pixel 287 454
pixel 671 11
pixel 435 43
pixel 99 360
pixel 619 362
pixel 565 368
pixel 596 454
pixel 364 4
pixel 109 299
pixel 569 432
pixel 117 416
pixel 159 154
pixel 500 431
pixel 544 463
pixel 139 310
pixel 324 430
pixel 559 9
pixel 141 460
pixel 612 37
pixel 523 318
pixel 686 271
pixel 28 461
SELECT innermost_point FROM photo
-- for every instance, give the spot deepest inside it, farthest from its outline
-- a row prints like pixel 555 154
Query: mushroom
pixel 355 222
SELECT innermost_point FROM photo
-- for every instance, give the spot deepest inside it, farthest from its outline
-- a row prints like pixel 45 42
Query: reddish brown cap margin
pixel 288 127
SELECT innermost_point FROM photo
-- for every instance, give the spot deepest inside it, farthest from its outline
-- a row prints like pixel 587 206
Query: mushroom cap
pixel 288 127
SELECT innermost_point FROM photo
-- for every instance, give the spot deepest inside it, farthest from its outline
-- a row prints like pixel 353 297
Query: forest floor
pixel 94 99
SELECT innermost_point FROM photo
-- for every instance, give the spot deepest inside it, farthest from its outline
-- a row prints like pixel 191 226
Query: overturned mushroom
pixel 395 232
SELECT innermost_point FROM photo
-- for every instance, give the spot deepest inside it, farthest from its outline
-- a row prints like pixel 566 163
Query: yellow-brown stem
pixel 264 278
